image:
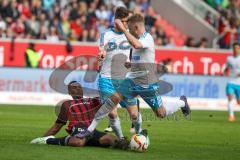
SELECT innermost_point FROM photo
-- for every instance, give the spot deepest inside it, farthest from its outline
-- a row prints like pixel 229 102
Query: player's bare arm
pixel 102 54
pixel 226 70
pixel 132 40
pixel 54 129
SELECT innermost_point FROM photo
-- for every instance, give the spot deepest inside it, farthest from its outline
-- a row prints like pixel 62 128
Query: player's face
pixel 236 50
pixel 75 90
pixel 124 21
pixel 133 29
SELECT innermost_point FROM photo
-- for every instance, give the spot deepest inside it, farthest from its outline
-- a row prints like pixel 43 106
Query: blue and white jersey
pixel 143 61
pixel 147 53
pixel 114 43
pixel 234 64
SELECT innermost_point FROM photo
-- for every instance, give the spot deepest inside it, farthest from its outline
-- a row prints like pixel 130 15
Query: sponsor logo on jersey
pixel 112 45
pixel 136 58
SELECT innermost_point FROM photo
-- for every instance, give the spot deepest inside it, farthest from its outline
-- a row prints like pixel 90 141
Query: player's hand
pixel 118 23
pixel 127 65
pixel 101 55
pixel 162 68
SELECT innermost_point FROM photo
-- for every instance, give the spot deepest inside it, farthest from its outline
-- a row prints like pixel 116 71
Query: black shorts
pixel 94 140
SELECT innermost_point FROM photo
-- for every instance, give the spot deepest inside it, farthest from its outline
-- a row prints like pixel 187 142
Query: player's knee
pixel 113 114
pixel 133 112
pixel 230 97
pixel 108 139
pixel 134 116
pixel 238 101
pixel 160 113
pixel 76 142
pixel 116 98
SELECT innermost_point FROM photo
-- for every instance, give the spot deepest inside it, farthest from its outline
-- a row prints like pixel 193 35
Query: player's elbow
pixel 137 46
pixel 57 127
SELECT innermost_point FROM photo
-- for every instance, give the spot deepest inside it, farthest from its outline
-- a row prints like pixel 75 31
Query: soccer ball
pixel 139 143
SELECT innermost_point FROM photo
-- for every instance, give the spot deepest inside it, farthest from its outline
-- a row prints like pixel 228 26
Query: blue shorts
pixel 233 89
pixel 107 87
pixel 149 94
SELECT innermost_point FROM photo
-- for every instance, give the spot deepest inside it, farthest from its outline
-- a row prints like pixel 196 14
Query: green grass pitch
pixel 207 136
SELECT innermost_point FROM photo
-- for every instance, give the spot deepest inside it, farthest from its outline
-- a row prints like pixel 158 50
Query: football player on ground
pixel 142 79
pixel 113 48
pixel 233 86
pixel 79 113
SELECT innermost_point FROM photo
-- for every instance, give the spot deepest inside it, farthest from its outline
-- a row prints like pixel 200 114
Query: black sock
pixel 132 125
pixel 58 141
pixel 138 106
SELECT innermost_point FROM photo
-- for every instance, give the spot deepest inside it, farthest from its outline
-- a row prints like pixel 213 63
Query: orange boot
pixel 231 118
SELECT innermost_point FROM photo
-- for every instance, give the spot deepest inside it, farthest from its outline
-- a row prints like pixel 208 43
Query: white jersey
pixel 143 61
pixel 115 44
pixel 234 64
pixel 147 53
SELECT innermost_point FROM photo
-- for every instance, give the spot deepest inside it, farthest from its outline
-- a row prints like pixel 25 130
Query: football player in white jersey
pixel 233 86
pixel 145 84
pixel 142 79
pixel 114 52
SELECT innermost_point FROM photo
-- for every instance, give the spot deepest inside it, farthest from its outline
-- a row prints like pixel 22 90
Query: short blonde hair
pixel 136 18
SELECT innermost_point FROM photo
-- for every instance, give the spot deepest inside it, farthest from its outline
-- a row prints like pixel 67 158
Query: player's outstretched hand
pixel 162 69
pixel 127 65
pixel 122 143
pixel 118 23
pixel 102 55
pixel 41 140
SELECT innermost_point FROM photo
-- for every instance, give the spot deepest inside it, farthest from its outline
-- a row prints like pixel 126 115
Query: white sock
pixel 116 126
pixel 173 106
pixel 138 123
pixel 93 125
pixel 103 111
pixel 230 108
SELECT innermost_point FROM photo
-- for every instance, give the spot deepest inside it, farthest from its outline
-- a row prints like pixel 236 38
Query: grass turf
pixel 206 136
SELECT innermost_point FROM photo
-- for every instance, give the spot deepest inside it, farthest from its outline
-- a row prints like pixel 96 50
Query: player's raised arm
pixel 131 38
pixel 102 52
pixel 225 71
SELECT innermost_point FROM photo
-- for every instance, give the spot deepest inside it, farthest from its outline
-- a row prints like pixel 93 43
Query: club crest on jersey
pixel 136 58
pixel 124 45
pixel 81 130
pixel 112 45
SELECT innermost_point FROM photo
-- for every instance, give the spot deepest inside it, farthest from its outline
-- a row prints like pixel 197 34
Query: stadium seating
pixel 83 20
pixel 172 31
pixel 228 24
pixel 72 20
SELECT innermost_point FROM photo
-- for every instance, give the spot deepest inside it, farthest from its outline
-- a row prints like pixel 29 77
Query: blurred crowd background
pixel 84 20
pixel 228 23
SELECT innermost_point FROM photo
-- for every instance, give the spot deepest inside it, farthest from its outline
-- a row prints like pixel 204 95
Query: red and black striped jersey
pixel 78 111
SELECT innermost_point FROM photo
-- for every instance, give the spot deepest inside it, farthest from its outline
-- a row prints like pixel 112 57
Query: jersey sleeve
pixel 63 113
pixel 102 39
pixel 146 41
pixel 228 63
pixel 96 101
